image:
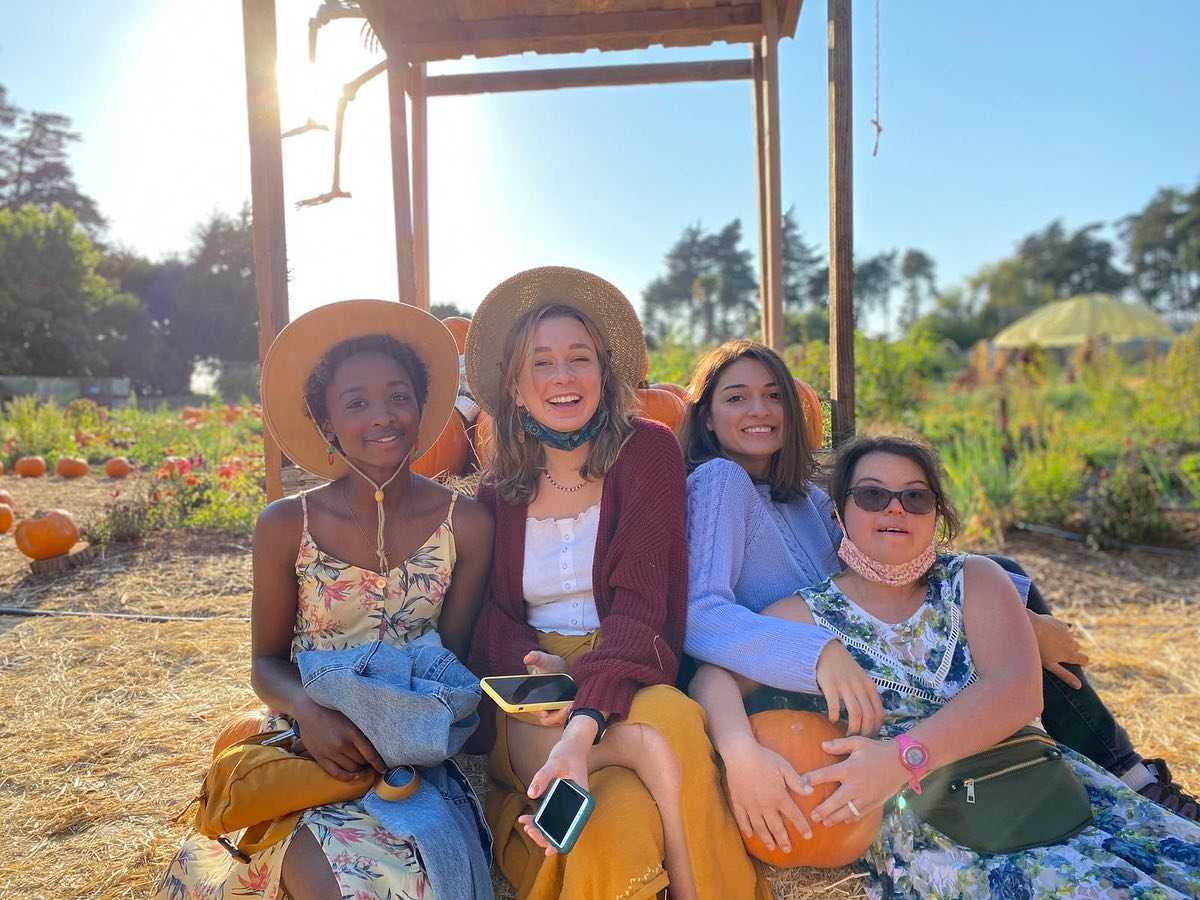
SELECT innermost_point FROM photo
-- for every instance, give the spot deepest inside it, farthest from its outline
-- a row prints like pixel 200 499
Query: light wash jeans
pixel 417 706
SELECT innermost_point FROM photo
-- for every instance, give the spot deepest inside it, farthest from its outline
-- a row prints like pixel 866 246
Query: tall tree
pixel 803 264
pixel 1070 264
pixel 668 298
pixel 34 167
pixel 918 273
pixel 874 280
pixel 1163 250
pixel 737 289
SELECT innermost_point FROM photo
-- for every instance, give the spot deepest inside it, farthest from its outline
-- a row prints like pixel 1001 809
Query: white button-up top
pixel 557 577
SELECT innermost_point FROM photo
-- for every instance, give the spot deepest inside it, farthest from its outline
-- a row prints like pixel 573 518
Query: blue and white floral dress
pixel 1133 848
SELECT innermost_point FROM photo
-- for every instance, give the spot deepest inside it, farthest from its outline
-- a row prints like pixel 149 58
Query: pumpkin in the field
pixel 30 467
pixel 483 438
pixel 678 390
pixel 7 517
pixel 448 455
pixel 117 467
pixel 245 724
pixel 797 737
pixel 47 534
pixel 814 418
pixel 7 499
pixel 661 406
pixel 71 467
pixel 458 327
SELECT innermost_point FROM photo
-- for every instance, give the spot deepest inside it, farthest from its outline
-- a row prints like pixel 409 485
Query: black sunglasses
pixel 918 501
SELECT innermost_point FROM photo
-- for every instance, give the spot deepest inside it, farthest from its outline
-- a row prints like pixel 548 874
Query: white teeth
pixel 567 398
pixel 758 429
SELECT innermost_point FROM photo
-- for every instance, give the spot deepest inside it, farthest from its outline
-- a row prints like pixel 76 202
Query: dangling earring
pixel 329 451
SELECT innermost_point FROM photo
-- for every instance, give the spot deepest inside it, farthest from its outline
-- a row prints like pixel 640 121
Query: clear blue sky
pixel 997 118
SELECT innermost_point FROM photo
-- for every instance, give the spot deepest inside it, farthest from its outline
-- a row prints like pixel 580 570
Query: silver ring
pixel 854 809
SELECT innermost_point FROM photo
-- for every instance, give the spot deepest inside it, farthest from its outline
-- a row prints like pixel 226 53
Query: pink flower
pixel 258 878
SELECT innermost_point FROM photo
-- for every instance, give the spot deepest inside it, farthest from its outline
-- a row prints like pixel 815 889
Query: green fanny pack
pixel 1018 794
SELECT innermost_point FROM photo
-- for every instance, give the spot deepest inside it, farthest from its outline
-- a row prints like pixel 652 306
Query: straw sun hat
pixel 297 349
pixel 600 301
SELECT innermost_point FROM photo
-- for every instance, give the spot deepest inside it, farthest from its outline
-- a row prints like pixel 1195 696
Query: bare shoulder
pixel 473 519
pixel 983 578
pixel 279 525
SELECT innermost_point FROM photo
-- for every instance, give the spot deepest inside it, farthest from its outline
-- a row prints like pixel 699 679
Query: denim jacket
pixel 416 704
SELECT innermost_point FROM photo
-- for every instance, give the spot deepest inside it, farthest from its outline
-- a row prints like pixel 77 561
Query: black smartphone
pixel 529 693
pixel 564 811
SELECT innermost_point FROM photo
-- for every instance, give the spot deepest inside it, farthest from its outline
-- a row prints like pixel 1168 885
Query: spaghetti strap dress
pixel 340 605
pixel 1133 848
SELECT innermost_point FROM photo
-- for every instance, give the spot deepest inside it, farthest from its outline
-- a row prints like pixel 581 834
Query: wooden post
pixel 841 222
pixel 266 192
pixel 760 172
pixel 420 181
pixel 397 71
pixel 770 87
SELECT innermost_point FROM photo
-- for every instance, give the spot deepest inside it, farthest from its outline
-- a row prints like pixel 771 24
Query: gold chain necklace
pixel 565 490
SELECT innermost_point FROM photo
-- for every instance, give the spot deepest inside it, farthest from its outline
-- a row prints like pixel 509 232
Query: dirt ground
pixel 106 723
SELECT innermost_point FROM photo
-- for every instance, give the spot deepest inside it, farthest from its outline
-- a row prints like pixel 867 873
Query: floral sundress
pixel 1133 848
pixel 339 605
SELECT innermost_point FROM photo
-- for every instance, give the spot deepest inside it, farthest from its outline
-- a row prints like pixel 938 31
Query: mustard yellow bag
pixel 264 790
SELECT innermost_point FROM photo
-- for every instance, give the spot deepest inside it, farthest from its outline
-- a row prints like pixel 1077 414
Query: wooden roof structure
pixel 416 32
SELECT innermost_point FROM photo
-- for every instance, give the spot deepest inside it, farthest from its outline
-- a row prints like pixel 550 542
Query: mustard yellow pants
pixel 620 852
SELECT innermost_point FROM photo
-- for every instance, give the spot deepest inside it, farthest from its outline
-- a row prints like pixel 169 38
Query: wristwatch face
pixel 914 756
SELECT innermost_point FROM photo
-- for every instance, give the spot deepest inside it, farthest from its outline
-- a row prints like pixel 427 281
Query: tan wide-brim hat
pixel 596 298
pixel 297 349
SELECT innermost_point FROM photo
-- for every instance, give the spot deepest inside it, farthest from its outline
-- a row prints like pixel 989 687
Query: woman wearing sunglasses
pixel 759 530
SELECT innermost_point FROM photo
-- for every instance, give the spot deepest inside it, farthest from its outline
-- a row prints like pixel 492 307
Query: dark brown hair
pixel 925 458
pixel 383 344
pixel 793 465
pixel 519 458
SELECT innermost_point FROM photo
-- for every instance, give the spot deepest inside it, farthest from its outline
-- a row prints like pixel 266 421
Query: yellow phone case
pixel 520 707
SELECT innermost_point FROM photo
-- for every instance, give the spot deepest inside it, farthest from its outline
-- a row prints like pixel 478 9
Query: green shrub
pixel 1189 474
pixel 978 482
pixel 239 383
pixel 1047 481
pixel 1124 508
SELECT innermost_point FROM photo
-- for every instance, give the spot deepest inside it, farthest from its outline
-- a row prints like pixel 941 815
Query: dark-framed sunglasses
pixel 872 498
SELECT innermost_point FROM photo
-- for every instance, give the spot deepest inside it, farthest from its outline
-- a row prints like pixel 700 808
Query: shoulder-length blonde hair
pixel 519 458
pixel 793 465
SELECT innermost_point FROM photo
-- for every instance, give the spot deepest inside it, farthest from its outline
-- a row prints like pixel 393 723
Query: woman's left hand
pixel 568 759
pixel 868 778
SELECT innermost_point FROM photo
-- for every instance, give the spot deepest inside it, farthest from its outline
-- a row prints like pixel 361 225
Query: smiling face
pixel 893 535
pixel 747 415
pixel 559 382
pixel 373 411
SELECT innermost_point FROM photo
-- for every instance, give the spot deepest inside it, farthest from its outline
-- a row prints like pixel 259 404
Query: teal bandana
pixel 563 440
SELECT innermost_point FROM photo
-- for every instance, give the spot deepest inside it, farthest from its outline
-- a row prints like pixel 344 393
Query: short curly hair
pixel 322 374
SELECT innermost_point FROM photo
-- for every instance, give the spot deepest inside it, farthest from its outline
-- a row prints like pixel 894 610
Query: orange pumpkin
pixel 30 467
pixel 458 327
pixel 677 390
pixel 117 467
pixel 71 467
pixel 7 499
pixel 448 455
pixel 661 406
pixel 483 438
pixel 797 737
pixel 245 724
pixel 45 535
pixel 7 517
pixel 814 417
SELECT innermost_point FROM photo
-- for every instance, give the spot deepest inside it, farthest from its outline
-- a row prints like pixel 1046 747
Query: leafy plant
pixel 1124 509
pixel 1189 474
pixel 1047 480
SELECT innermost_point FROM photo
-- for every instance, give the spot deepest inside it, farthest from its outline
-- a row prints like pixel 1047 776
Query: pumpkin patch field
pixel 118 675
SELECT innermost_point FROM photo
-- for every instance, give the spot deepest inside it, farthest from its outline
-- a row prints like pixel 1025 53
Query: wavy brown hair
pixel 925 459
pixel 793 465
pixel 519 458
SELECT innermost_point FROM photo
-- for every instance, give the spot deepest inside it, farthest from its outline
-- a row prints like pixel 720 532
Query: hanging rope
pixel 875 121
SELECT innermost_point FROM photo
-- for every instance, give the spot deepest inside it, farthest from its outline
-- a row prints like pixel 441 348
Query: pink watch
pixel 915 757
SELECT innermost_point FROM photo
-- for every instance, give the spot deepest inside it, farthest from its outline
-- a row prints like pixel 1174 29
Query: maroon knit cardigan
pixel 639 579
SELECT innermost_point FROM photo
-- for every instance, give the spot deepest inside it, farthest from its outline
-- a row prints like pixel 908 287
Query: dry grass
pixel 107 724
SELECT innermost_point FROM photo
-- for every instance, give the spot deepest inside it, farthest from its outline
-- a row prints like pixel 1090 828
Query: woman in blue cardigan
pixel 759 530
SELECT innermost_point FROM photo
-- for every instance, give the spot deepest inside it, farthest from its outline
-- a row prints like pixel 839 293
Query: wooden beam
pixel 841 221
pixel 420 176
pixel 266 193
pixel 397 72
pixel 394 29
pixel 760 175
pixel 770 88
pixel 587 76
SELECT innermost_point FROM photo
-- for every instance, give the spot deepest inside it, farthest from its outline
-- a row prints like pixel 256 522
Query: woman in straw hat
pixel 590 577
pixel 352 392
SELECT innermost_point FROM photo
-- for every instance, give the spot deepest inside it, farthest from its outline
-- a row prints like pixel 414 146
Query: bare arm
pixel 473 539
pixel 332 739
